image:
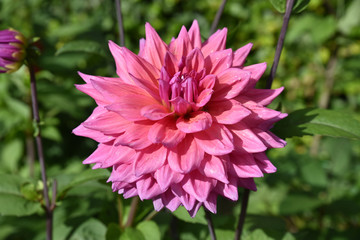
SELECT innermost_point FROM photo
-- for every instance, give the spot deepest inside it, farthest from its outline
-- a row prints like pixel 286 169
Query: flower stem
pixel 120 22
pixel 217 17
pixel 38 139
pixel 133 207
pixel 210 225
pixel 280 43
pixel 120 210
pixel 244 203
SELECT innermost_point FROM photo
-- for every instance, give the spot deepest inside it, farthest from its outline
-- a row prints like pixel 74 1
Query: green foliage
pixel 315 192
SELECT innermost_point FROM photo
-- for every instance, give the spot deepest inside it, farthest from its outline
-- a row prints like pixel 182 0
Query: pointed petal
pixel 170 200
pixel 108 123
pixel 93 134
pixel 195 122
pixel 241 54
pixel 194 61
pixel 229 190
pixel 186 156
pixel 244 166
pixel 264 164
pixel 135 136
pixel 216 140
pixel 149 159
pixel 231 83
pixel 119 155
pixel 194 34
pixel 208 82
pixel 218 61
pixel 129 106
pixel 247 183
pixel 204 97
pixel 147 188
pixel 263 96
pixel 155 112
pixel 210 202
pixel 165 177
pixel 180 105
pixel 269 139
pixel 171 64
pixel 195 209
pixel 155 48
pixel 120 61
pixel 182 45
pixel 123 173
pixel 228 111
pixel 257 70
pixel 197 185
pixel 99 155
pixel 216 42
pixel 166 133
pixel 245 139
pixel 186 199
pixel 158 204
pixel 213 167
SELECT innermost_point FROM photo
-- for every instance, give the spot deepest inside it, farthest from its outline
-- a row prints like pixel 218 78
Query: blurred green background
pixel 314 195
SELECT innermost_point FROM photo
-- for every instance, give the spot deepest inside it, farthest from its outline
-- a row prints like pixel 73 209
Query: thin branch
pixel 120 22
pixel 53 199
pixel 244 203
pixel 210 225
pixel 280 43
pixel 217 17
pixel 120 211
pixel 133 208
pixel 38 139
pixel 151 215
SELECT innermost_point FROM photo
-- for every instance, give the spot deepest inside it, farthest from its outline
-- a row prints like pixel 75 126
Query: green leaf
pixel 82 46
pixel 182 214
pixel 351 19
pixel 313 172
pixel 87 175
pixel 12 201
pixel 149 229
pixel 132 234
pixel 299 5
pixel 298 203
pixel 258 234
pixel 11 154
pixel 113 232
pixel 318 121
pixel 92 229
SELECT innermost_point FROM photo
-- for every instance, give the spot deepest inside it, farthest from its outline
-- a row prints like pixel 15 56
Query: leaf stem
pixel 120 22
pixel 280 43
pixel 210 225
pixel 217 17
pixel 38 139
pixel 244 203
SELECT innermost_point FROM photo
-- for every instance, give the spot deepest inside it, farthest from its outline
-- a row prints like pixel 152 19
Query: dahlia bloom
pixel 12 50
pixel 182 122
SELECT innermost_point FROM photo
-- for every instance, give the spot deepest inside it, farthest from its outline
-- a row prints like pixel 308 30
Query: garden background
pixel 315 194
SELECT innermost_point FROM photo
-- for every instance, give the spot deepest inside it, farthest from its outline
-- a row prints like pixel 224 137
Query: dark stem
pixel 280 43
pixel 210 225
pixel 120 22
pixel 244 203
pixel 120 211
pixel 34 100
pixel 217 17
pixel 133 208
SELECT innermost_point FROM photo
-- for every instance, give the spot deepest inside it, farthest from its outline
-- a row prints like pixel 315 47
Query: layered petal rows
pixel 182 123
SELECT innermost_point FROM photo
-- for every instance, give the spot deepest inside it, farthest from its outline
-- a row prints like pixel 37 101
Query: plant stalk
pixel 217 17
pixel 120 22
pixel 210 225
pixel 38 139
pixel 244 204
pixel 280 43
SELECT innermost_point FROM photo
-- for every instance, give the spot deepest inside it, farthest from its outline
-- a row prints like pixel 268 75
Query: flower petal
pixel 227 111
pixel 182 45
pixel 216 42
pixel 263 96
pixel 135 135
pixel 155 48
pixel 218 61
pixel 245 139
pixel 213 167
pixel 120 62
pixel 186 156
pixel 216 140
pixel 264 163
pixel 197 185
pixel 108 123
pixel 241 54
pixel 243 165
pixel 269 139
pixel 119 155
pixel 230 83
pixel 155 112
pixel 165 177
pixel 98 155
pixel 147 188
pixel 194 122
pixel 194 61
pixel 194 34
pixel 210 202
pixel 203 98
pixel 256 70
pixel 166 133
pixel 228 190
pixel 149 159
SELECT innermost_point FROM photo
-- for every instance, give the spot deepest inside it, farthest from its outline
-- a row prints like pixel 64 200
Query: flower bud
pixel 12 50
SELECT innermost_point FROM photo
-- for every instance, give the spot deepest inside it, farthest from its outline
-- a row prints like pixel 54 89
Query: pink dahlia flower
pixel 182 122
pixel 12 50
